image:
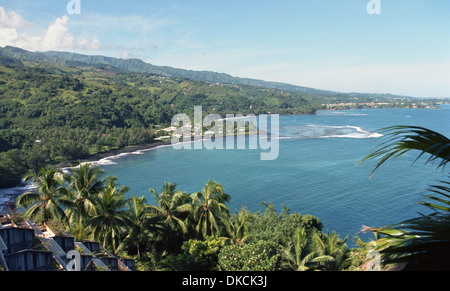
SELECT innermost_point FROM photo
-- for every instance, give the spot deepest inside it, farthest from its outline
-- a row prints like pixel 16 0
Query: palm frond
pixel 27 199
pixel 402 139
pixel 423 242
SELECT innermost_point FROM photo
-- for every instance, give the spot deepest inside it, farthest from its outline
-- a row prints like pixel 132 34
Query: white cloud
pixel 7 36
pixel 57 35
pixel 13 32
pixel 10 19
pixel 127 54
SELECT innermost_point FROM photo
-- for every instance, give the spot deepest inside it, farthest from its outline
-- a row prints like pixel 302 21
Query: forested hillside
pixel 55 112
pixel 139 66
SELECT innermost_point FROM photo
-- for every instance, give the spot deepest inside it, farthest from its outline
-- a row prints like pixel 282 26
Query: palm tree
pixel 237 229
pixel 85 183
pixel 210 211
pixel 170 222
pixel 422 243
pixel 138 218
pixel 110 216
pixel 45 201
pixel 331 245
pixel 364 256
pixel 298 255
pixel 172 208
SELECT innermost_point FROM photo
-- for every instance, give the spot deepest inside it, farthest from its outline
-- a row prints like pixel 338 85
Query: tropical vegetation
pixel 192 232
pixel 180 231
pixel 59 107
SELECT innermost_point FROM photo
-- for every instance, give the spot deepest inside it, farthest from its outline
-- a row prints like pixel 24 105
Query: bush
pixel 259 256
pixel 208 248
pixel 182 262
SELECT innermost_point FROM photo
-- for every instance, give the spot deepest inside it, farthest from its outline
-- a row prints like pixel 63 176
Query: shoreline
pixel 149 146
pixel 9 194
pixel 112 153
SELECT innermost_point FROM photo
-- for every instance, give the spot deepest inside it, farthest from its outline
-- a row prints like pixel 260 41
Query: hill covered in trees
pixel 139 66
pixel 59 106
pixel 51 112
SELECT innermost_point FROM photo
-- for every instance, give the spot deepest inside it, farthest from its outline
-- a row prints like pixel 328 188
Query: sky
pixel 372 46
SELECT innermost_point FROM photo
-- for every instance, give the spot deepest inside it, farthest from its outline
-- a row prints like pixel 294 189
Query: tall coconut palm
pixel 110 217
pixel 139 222
pixel 422 243
pixel 85 183
pixel 170 222
pixel 210 211
pixel 45 202
pixel 172 208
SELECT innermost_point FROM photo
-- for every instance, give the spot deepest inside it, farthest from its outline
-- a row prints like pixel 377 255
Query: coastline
pixel 10 194
pixel 116 153
pixel 103 158
pixel 112 153
pixel 149 146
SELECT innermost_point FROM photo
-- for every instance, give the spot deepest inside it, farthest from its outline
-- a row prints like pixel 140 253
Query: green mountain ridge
pixel 139 66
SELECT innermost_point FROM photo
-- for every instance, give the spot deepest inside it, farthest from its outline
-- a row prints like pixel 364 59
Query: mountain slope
pixel 54 110
pixel 136 65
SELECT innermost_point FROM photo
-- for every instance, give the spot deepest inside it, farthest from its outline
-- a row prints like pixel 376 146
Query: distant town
pixel 397 103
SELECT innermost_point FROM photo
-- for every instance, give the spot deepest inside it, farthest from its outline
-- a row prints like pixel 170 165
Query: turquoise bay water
pixel 316 171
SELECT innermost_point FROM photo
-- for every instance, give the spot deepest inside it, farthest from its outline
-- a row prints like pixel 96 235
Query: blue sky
pixel 325 44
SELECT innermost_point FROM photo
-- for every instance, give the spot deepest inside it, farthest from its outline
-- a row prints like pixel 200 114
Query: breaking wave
pixel 322 131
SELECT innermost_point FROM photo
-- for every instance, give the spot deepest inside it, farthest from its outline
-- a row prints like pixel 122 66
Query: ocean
pixel 316 172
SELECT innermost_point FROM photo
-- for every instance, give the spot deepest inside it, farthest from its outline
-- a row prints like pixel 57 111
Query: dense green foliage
pixel 259 256
pixel 166 235
pixel 192 232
